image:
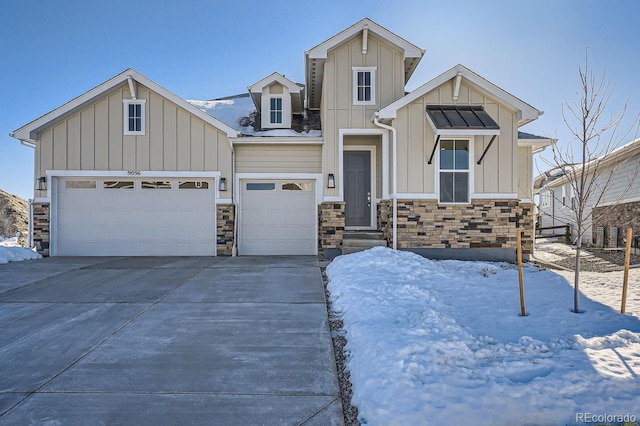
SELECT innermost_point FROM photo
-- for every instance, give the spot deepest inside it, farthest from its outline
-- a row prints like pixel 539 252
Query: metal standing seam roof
pixel 460 117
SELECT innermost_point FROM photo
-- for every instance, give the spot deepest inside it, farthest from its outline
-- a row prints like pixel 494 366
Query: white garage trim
pixel 317 177
pixel 57 177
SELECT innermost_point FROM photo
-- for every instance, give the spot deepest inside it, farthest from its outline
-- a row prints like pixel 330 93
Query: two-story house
pixel 129 168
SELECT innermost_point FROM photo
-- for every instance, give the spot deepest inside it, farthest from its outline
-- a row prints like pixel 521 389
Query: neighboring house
pixel 129 168
pixel 613 207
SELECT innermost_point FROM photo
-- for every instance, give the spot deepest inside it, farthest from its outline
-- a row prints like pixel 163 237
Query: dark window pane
pixel 462 155
pixel 260 186
pixel 138 110
pixel 360 78
pixel 367 78
pixel 446 187
pixel 446 154
pixel 367 93
pixel 461 187
pixel 132 111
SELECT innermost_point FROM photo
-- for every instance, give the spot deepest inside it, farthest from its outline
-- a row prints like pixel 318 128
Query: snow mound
pixel 11 251
pixel 443 342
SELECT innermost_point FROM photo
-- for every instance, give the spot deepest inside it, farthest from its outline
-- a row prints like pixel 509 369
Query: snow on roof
pixel 235 112
pixel 229 110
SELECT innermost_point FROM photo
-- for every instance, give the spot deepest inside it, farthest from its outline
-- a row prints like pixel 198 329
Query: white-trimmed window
pixel 545 199
pixel 454 172
pixel 134 114
pixel 275 110
pixel 364 85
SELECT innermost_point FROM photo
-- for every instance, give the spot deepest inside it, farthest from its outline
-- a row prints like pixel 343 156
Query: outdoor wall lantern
pixel 331 181
pixel 222 184
pixel 41 183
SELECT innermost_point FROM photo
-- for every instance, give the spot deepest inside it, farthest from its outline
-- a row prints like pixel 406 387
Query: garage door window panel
pixel 261 186
pixel 193 185
pixel 80 184
pixel 159 184
pixel 297 186
pixel 118 184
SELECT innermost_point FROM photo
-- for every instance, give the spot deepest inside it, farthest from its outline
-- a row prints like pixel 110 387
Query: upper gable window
pixel 364 87
pixel 275 111
pixel 134 114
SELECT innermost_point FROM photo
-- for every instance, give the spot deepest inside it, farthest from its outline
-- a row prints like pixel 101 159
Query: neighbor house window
pixel 134 113
pixel 275 111
pixel 364 90
pixel 454 171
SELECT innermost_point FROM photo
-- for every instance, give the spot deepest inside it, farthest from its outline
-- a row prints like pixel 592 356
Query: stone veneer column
pixel 330 228
pixel 224 225
pixel 41 228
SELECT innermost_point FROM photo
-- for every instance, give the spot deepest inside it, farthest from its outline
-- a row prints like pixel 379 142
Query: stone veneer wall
pixel 621 216
pixel 330 227
pixel 41 228
pixel 481 224
pixel 224 224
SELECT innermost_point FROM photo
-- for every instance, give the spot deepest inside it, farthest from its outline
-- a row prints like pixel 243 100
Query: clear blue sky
pixel 53 51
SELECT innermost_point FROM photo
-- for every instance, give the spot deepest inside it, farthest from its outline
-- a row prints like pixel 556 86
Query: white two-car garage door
pixel 278 217
pixel 135 217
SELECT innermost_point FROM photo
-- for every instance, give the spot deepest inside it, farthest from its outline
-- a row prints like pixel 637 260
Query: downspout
pixel 234 248
pixel 30 225
pixel 395 177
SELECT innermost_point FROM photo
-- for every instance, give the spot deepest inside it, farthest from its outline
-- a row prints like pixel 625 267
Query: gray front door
pixel 357 188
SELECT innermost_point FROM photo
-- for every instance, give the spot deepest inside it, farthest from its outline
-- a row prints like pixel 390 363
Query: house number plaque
pixel 134 173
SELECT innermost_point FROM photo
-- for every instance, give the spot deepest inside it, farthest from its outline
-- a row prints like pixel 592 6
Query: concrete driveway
pixel 166 341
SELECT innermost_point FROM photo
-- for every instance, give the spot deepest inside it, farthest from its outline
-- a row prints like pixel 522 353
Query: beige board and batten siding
pixel 93 139
pixel 415 138
pixel 339 112
pixel 278 158
pixel 525 173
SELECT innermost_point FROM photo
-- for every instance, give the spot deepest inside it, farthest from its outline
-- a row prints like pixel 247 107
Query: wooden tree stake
pixel 520 276
pixel 627 260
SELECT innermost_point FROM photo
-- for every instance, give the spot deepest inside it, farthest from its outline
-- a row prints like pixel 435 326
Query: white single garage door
pixel 278 217
pixel 135 217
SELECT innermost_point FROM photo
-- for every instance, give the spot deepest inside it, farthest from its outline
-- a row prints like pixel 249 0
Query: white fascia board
pixel 131 174
pixel 320 51
pixel 526 114
pixel 534 143
pixel 275 77
pixel 29 131
pixel 284 140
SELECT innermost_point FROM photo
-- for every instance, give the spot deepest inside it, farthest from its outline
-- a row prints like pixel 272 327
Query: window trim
pixel 276 111
pixel 469 170
pixel 371 70
pixel 125 122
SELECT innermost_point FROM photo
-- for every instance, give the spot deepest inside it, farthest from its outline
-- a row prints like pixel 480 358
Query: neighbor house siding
pixel 278 158
pixel 93 139
pixel 338 110
pixel 497 173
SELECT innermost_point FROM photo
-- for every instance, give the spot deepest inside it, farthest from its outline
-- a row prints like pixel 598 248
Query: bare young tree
pixel 589 159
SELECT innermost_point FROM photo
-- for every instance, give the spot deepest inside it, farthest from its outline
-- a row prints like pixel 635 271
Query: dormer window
pixel 364 88
pixel 134 113
pixel 275 111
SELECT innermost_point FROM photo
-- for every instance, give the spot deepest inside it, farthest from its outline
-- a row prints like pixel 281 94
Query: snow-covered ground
pixel 444 343
pixel 11 251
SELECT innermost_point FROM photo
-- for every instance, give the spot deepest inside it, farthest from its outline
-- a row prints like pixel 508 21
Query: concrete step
pixel 363 235
pixel 349 250
pixel 352 242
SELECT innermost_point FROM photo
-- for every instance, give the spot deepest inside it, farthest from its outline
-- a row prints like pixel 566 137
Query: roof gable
pixel 526 113
pixel 316 56
pixel 29 131
pixel 276 77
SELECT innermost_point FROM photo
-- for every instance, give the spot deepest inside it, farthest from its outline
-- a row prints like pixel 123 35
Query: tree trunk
pixel 576 277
